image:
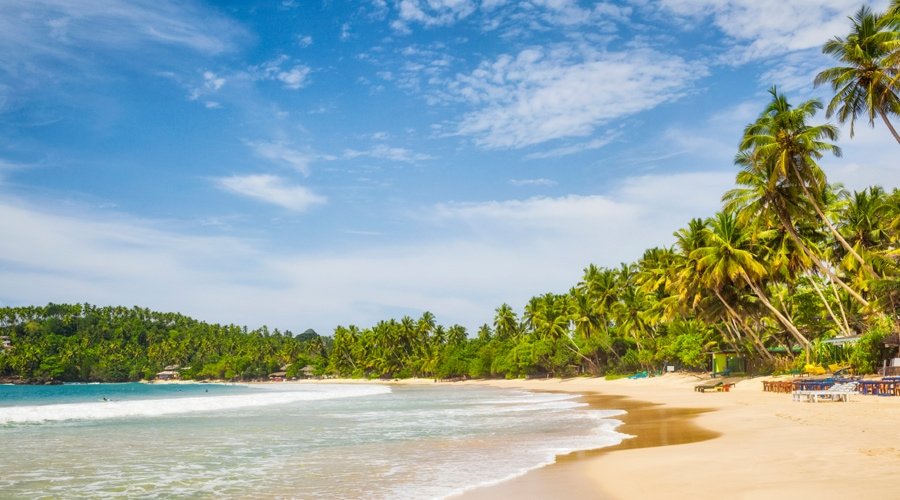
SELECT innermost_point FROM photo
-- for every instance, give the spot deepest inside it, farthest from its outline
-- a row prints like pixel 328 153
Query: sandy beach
pixel 745 444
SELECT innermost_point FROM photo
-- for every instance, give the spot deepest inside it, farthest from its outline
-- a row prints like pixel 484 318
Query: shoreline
pixel 745 443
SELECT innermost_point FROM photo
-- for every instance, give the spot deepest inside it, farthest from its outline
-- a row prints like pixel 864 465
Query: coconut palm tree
pixel 781 149
pixel 866 81
pixel 506 324
pixel 862 222
pixel 728 260
pixel 601 288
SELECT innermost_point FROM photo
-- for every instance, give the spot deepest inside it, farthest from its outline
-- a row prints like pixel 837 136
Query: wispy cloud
pixel 291 74
pixel 271 189
pixel 58 31
pixel 432 12
pixel 9 166
pixel 574 148
pixel 543 94
pixel 76 46
pixel 210 85
pixel 385 152
pixel 532 182
pixel 284 154
pixel 495 14
pixel 761 29
pixel 798 70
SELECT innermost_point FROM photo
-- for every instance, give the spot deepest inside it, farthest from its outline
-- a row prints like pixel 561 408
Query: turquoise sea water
pixel 281 440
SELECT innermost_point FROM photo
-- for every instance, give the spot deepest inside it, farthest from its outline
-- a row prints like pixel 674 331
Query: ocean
pixel 282 440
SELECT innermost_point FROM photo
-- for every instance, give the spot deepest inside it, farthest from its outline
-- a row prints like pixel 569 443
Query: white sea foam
pixel 174 406
pixel 531 456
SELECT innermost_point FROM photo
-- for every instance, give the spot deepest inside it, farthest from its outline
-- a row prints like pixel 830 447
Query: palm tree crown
pixel 866 82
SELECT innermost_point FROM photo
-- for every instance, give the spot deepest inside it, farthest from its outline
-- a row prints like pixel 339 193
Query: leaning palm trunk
pixel 740 325
pixel 737 318
pixel 732 337
pixel 837 299
pixel 842 326
pixel 889 125
pixel 610 344
pixel 837 235
pixel 781 317
pixel 574 348
pixel 785 221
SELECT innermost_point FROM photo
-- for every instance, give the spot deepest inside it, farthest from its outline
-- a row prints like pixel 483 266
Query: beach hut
pixel 277 376
pixel 168 375
pixel 308 371
pixel 727 363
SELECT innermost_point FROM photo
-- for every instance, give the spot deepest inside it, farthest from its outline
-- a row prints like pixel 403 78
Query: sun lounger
pixel 710 385
pixel 837 392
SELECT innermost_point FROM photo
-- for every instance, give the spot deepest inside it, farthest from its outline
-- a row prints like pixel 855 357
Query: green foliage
pixel 868 351
pixel 685 342
pixel 82 342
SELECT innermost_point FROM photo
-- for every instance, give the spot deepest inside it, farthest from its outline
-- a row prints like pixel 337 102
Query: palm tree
pixel 506 324
pixel 632 308
pixel 727 260
pixel 781 149
pixel 600 287
pixel 863 222
pixel 866 81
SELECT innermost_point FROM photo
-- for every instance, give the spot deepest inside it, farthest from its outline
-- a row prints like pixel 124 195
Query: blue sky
pixel 314 163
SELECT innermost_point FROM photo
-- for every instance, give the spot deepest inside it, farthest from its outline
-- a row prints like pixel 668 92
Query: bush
pixel 867 353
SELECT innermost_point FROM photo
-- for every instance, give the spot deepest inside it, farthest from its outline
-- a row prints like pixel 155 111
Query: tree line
pixel 789 262
pixel 82 342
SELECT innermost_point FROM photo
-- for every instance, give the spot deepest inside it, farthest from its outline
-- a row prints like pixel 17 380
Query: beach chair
pixel 837 392
pixel 710 385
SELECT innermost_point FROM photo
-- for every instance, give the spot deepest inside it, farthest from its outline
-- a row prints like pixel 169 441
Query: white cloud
pixel 432 12
pixel 384 152
pixel 271 189
pixel 293 75
pixel 567 13
pixel 796 71
pixel 764 28
pixel 211 84
pixel 570 13
pixel 304 41
pixel 542 95
pixel 283 154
